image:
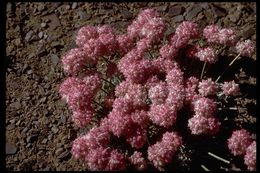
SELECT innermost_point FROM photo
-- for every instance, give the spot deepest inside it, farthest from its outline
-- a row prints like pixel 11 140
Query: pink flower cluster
pixel 241 144
pixel 78 94
pixel 153 90
pixel 162 152
pixel 216 35
pixel 245 48
pixel 230 88
pixel 138 161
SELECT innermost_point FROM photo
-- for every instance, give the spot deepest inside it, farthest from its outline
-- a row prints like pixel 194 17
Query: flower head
pixel 245 48
pixel 250 157
pixel 239 141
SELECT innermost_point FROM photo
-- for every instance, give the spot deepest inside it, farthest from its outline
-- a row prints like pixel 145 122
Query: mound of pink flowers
pixel 152 92
pixel 241 144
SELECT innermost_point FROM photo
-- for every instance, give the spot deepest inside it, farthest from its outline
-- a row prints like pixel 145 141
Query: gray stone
pixel 44 141
pixel 74 5
pixel 40 34
pixel 16 105
pixel 43 24
pixel 54 59
pixel 83 15
pixel 193 12
pixel 54 129
pixel 29 36
pixel 175 10
pixel 218 11
pixel 10 148
pixel 178 18
pixel 126 14
pixel 59 151
pixel 54 21
pixel 248 32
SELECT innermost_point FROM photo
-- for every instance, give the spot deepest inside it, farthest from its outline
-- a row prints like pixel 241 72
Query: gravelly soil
pixel 39 131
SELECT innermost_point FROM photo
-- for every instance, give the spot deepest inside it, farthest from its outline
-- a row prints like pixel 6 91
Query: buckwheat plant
pixel 118 89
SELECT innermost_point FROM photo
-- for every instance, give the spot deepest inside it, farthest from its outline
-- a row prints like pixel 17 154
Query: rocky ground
pixel 39 131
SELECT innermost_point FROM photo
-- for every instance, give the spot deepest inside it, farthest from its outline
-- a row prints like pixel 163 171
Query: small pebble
pixel 74 5
pixel 43 24
pixel 40 34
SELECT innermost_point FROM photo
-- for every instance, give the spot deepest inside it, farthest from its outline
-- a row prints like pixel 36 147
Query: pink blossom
pixel 176 96
pixel 79 148
pixel 207 87
pixel 143 44
pixel 125 43
pixel 151 82
pixel 86 33
pixel 250 157
pixel 162 152
pixel 120 123
pixel 227 37
pixel 123 104
pixel 207 54
pixel 245 48
pixel 137 95
pixel 75 60
pixel 138 161
pixel 191 85
pixel 94 48
pixel 122 88
pixel 82 117
pixel 98 136
pixel 140 117
pixel 187 29
pixel 230 88
pixel 210 32
pixel 98 158
pixel 105 29
pixel 158 93
pixel 117 161
pixel 239 141
pixel 77 92
pixel 203 125
pixel 175 76
pixel 109 42
pixel 134 28
pixel 162 115
pixel 137 138
pixel 153 29
pixel 205 107
pixel 179 41
pixel 138 71
pixel 163 65
pixel 172 139
pixel 168 51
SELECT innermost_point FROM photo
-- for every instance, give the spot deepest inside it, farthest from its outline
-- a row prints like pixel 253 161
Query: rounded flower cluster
pixel 203 125
pixel 75 60
pixel 205 107
pixel 245 48
pixel 239 141
pixel 207 87
pixel 250 157
pixel 162 152
pixel 230 88
pixel 158 93
pixel 224 36
pixel 137 160
pixel 162 115
pixel 78 95
pixel 207 54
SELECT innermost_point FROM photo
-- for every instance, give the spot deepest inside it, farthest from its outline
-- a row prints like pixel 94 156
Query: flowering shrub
pixel 150 91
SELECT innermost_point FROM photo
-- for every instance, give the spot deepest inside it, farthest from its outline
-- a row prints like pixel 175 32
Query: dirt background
pixel 39 131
